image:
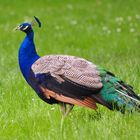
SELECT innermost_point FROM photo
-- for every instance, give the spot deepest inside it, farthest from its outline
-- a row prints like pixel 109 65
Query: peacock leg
pixel 66 108
pixel 69 108
pixel 63 108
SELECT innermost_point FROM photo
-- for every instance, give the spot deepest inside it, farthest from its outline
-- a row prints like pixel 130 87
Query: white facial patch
pixel 25 27
pixel 20 26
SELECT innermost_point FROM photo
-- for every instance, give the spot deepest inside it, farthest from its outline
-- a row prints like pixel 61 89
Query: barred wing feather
pixel 77 70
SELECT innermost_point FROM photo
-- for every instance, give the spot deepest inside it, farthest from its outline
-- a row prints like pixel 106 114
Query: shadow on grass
pixel 95 116
pixel 87 115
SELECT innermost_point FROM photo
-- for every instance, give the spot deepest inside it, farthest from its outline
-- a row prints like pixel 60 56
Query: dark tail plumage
pixel 115 94
pixel 132 100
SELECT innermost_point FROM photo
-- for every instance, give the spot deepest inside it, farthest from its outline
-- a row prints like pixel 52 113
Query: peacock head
pixel 27 27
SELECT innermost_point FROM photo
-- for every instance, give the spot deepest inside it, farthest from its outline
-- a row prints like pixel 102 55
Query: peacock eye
pixel 21 26
pixel 25 27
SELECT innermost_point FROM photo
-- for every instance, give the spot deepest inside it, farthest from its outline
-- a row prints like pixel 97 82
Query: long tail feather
pixel 129 97
pixel 117 94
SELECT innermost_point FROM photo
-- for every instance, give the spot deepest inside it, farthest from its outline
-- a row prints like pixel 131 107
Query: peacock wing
pixel 74 69
pixel 72 79
pixel 86 102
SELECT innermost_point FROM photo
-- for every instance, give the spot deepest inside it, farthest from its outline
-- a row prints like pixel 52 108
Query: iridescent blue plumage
pixel 27 54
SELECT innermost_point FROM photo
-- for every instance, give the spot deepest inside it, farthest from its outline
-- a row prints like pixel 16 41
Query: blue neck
pixel 27 54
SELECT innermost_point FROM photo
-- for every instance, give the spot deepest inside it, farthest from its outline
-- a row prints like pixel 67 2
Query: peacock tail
pixel 117 94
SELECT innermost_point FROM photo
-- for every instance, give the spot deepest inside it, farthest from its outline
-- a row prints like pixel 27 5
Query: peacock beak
pixel 17 28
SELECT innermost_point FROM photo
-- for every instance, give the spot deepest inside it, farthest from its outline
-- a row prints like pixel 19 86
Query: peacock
pixel 70 80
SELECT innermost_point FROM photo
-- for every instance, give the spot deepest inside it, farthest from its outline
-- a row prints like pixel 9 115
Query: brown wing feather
pixel 86 102
pixel 73 68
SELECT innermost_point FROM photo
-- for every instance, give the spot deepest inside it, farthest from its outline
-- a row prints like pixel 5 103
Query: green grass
pixel 106 32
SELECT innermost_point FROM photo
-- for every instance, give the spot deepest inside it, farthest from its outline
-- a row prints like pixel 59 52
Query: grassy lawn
pixel 106 32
